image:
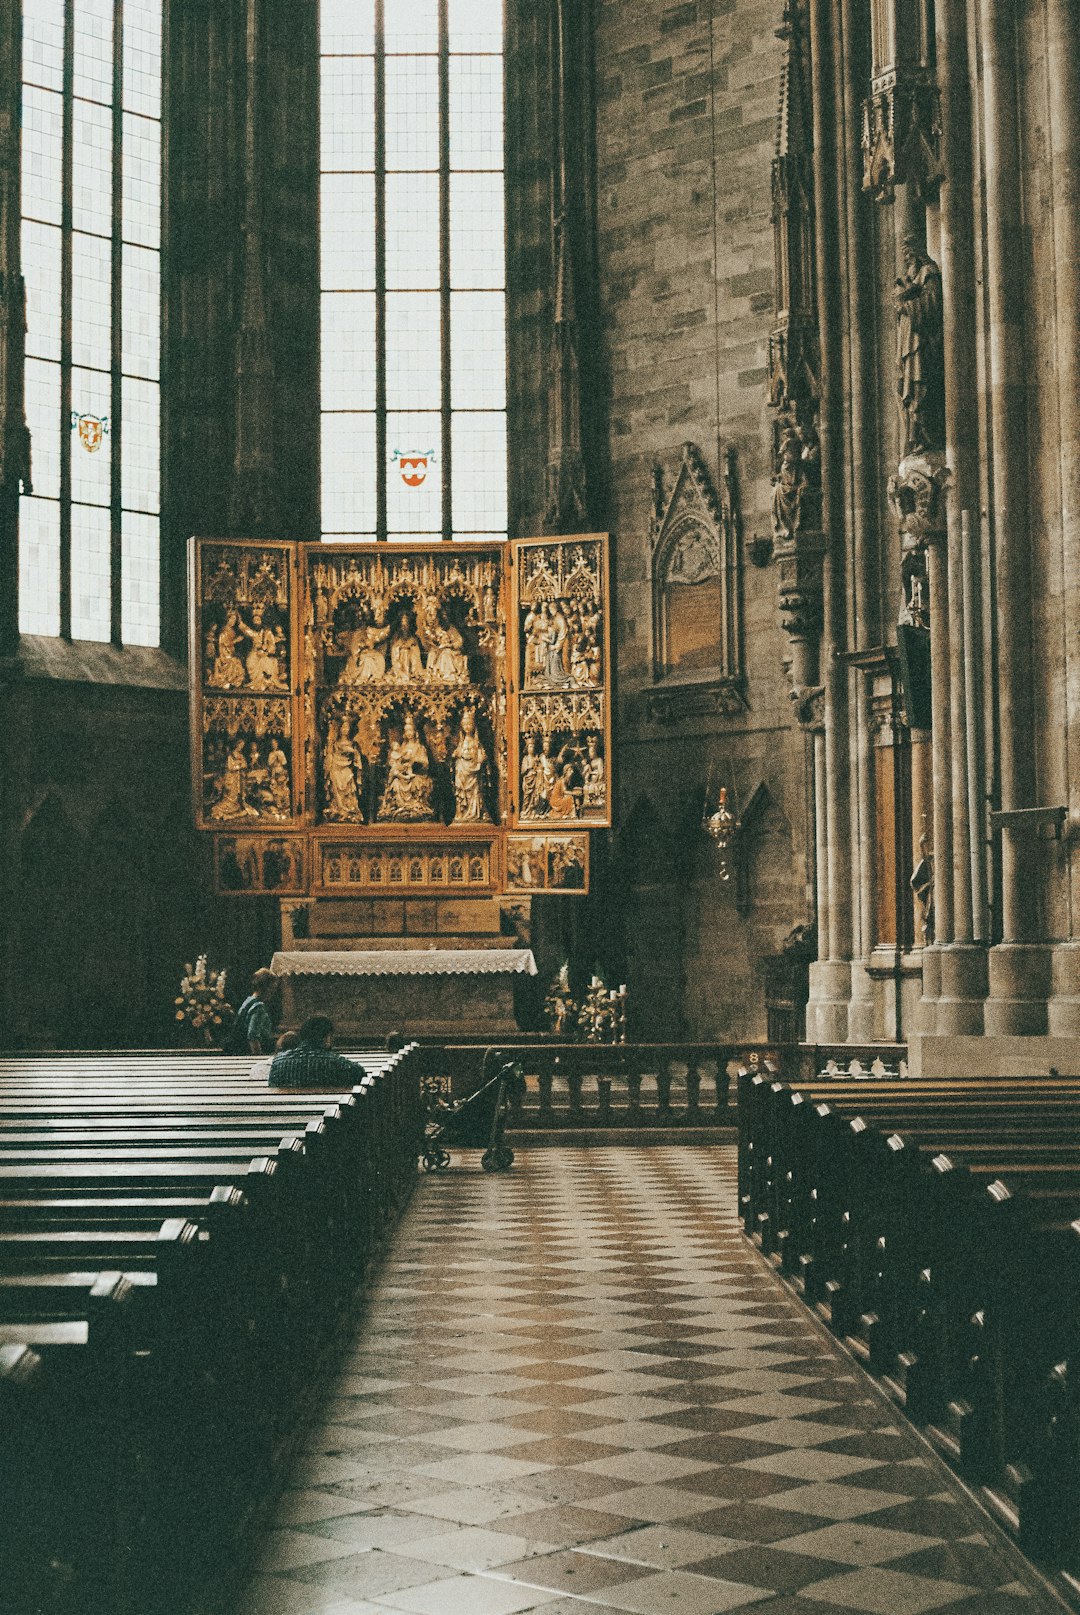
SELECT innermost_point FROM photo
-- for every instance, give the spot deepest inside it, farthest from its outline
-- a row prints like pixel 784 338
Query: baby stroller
pixel 478 1122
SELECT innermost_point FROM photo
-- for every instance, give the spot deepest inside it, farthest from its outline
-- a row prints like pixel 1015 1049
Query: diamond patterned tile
pixel 578 1388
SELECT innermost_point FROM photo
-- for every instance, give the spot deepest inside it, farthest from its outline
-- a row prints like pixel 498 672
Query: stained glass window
pixel 413 269
pixel 91 240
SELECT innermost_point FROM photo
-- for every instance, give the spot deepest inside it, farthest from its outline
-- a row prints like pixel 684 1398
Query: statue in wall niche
pixel 530 778
pixel 470 763
pixel 409 786
pixel 920 379
pixel 343 771
pixel 922 887
pixel 791 484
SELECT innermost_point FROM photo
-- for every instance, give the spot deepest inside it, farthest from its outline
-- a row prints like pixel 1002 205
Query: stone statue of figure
pixel 447 662
pixel 366 662
pixel 788 487
pixel 470 761
pixel 406 659
pixel 407 794
pixel 920 380
pixel 343 767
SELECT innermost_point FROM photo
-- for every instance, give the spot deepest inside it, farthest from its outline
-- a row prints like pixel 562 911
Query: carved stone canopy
pixel 695 587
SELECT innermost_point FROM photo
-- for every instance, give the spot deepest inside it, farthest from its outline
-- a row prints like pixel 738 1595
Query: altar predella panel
pixel 401 706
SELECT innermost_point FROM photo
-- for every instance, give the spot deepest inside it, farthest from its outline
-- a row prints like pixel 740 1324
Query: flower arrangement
pixel 202 1002
pixel 599 1018
pixel 559 1005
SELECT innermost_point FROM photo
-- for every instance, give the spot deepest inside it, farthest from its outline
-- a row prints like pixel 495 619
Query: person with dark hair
pixel 311 1062
pixel 252 1032
pixel 395 1042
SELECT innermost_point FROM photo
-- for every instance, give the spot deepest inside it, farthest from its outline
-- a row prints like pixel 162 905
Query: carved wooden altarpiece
pixel 375 718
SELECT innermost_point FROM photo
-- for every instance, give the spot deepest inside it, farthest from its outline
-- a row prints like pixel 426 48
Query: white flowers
pixel 202 1002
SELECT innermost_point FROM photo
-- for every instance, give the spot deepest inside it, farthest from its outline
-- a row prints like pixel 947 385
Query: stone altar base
pixel 420 967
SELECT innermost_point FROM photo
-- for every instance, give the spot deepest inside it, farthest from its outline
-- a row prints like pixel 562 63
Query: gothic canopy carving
pixel 696 588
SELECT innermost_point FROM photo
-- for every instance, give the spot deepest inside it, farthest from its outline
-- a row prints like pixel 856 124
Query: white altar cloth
pixel 407 962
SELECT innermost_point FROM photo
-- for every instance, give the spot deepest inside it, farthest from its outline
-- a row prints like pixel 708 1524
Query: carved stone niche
pixel 697 595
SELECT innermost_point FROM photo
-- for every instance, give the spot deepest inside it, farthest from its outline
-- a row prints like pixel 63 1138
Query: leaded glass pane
pixel 91 435
pixel 39 566
pixel 93 49
pixel 91 190
pixel 140 548
pixel 41 272
pixel 476 112
pixel 141 305
pixel 347 234
pixel 142 57
pixel 42 154
pixel 412 112
pixel 412 232
pixel 141 450
pixel 346 27
pixel 43 43
pixel 414 473
pixel 479 480
pixel 90 573
pixel 348 474
pixel 475 25
pixel 413 358
pixel 477 350
pixel 347 133
pixel 43 419
pixel 142 181
pixel 411 27
pixel 477 231
pixel 348 350
pixel 91 301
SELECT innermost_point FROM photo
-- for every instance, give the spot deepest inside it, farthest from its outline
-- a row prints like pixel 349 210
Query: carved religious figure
pixel 447 661
pixel 557 648
pixel 594 790
pixel 406 657
pixel 263 671
pixel 343 768
pixel 535 643
pixel 919 362
pixel 407 794
pixel 277 768
pixel 233 803
pixel 790 485
pixel 470 762
pixel 529 778
pixel 366 658
pixel 228 669
pixel 547 771
pixel 563 796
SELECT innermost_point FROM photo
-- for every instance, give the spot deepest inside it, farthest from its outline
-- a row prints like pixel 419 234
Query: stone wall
pixel 686 114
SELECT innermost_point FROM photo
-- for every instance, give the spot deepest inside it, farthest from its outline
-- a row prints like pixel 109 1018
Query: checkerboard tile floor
pixel 576 1388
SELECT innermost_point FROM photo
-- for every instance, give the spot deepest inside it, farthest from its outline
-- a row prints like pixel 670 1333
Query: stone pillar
pixel 1063 46
pixel 1019 964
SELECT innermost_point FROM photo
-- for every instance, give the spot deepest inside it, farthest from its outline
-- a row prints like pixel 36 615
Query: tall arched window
pixel 91 193
pixel 412 269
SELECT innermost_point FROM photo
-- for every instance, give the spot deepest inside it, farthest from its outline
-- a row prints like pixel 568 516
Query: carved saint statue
pixel 470 761
pixel 343 767
pixel 594 791
pixel 277 767
pixel 447 662
pixel 563 796
pixel 529 778
pixel 536 622
pixel 920 382
pixel 228 669
pixel 233 803
pixel 366 662
pixel 406 658
pixel 262 658
pixel 407 794
pixel 789 487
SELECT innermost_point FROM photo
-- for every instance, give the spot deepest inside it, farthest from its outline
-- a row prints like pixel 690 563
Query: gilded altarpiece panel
pixel 399 707
pixel 243 656
pixel 561 619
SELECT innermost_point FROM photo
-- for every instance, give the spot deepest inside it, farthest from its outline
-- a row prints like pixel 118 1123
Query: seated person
pixel 312 1063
